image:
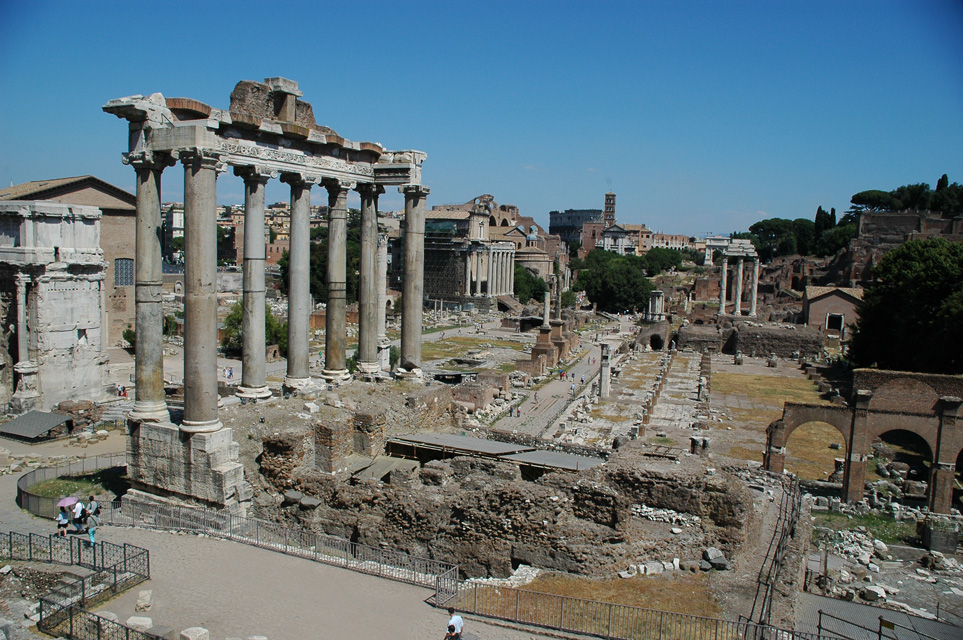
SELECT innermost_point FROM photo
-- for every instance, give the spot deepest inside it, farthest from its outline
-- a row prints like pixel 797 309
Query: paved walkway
pixel 235 590
pixel 556 395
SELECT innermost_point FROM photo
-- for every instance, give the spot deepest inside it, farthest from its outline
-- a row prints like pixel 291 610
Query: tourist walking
pixel 63 520
pixel 79 516
pixel 92 523
pixel 455 623
pixel 93 507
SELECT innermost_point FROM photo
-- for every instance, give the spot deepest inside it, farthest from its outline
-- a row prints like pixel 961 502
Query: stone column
pixel 724 283
pixel 605 372
pixel 384 345
pixel 510 283
pixel 491 271
pixel 367 290
pixel 150 403
pixel 478 264
pixel 200 293
pixel 506 260
pixel 414 275
pixel 467 272
pixel 755 287
pixel 253 375
pixel 299 283
pixel 547 310
pixel 335 332
pixel 738 295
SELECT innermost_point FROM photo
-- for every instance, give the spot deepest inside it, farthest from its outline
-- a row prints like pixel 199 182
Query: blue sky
pixel 700 116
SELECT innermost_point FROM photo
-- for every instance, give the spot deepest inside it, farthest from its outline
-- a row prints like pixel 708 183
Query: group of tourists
pixel 85 518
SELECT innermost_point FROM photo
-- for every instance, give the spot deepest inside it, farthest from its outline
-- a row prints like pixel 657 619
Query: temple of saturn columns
pixel 267 132
pixel 740 250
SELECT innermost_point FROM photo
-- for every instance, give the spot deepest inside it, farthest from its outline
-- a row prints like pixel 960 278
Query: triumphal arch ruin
pixel 267 132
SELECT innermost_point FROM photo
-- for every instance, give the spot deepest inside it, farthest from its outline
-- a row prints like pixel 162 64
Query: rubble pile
pixel 669 516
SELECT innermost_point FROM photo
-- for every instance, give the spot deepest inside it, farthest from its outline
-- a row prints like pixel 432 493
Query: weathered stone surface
pixel 872 593
pixel 140 623
pixel 145 600
pixel 195 633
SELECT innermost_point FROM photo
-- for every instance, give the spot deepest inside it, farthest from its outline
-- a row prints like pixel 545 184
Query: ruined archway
pixel 816 450
pixel 903 461
pixel 656 342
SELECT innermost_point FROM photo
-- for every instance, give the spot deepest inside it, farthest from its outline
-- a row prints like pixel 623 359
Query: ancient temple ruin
pixel 267 132
pixel 740 250
pixel 51 305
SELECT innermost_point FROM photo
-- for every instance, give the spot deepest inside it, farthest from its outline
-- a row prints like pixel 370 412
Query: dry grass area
pixel 752 453
pixel 767 390
pixel 458 346
pixel 680 592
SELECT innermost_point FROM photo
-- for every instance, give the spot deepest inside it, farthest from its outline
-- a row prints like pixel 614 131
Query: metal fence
pixel 785 529
pixel 76 623
pixel 384 563
pixel 47 507
pixel 602 619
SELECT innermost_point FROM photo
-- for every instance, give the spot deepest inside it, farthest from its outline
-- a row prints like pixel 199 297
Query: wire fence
pixel 46 507
pixel 789 507
pixel 384 563
pixel 113 568
pixel 602 619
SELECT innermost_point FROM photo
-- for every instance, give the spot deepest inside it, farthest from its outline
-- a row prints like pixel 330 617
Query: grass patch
pixel 882 527
pixel 668 442
pixel 681 593
pixel 769 390
pixel 506 367
pixel 753 454
pixel 105 481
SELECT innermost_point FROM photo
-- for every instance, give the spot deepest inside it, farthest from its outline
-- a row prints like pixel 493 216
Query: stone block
pixel 195 633
pixel 109 615
pixel 140 623
pixel 145 599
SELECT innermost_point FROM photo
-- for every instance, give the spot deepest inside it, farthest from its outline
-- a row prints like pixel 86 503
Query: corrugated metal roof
pixel 854 613
pixel 33 424
pixel 555 460
pixel 463 443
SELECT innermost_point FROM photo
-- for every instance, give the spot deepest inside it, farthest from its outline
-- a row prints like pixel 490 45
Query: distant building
pixel 568 224
pixel 832 310
pixel 672 241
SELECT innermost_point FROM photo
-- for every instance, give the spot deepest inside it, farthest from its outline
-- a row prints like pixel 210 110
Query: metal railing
pixel 113 568
pixel 47 507
pixel 318 547
pixel 602 619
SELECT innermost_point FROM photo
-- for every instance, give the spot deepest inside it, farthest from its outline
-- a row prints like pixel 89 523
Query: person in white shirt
pixel 79 516
pixel 455 620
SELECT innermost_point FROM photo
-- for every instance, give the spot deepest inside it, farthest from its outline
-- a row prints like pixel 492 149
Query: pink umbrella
pixel 67 502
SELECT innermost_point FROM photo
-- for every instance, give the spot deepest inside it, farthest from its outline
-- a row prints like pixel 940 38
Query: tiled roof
pixel 27 189
pixel 815 292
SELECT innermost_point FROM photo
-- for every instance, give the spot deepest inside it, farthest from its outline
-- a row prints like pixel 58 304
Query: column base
pixel 384 354
pixel 206 426
pixel 253 393
pixel 415 375
pixel 369 367
pixel 297 384
pixel 150 412
pixel 336 375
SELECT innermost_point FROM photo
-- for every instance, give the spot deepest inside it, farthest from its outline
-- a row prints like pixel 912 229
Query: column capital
pixel 149 160
pixel 300 178
pixel 255 173
pixel 334 185
pixel 368 188
pixel 202 158
pixel 414 189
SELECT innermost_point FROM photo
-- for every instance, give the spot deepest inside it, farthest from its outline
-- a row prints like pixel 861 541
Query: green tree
pixel 660 259
pixel 528 286
pixel 874 200
pixel 616 283
pixel 804 232
pixel 912 314
pixel 835 239
pixel 275 331
pixel 170 325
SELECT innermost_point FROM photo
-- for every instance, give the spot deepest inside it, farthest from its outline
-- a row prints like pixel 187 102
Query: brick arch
pixel 926 428
pixel 905 395
pixel 795 415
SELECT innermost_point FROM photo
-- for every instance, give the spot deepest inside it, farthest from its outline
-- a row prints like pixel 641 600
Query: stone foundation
pixel 198 468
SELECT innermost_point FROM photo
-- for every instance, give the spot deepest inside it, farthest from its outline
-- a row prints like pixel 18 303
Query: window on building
pixel 124 272
pixel 834 322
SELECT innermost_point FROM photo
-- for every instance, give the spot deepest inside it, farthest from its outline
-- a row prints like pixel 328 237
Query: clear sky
pixel 700 116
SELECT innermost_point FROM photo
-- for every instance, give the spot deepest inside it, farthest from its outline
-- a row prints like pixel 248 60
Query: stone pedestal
pixel 27 396
pixel 605 373
pixel 200 467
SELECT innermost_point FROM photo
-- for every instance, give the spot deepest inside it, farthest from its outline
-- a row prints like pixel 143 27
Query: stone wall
pixel 942 385
pixel 783 340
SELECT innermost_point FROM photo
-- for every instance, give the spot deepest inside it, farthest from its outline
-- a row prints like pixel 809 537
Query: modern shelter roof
pixel 554 460
pixel 33 424
pixel 462 443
